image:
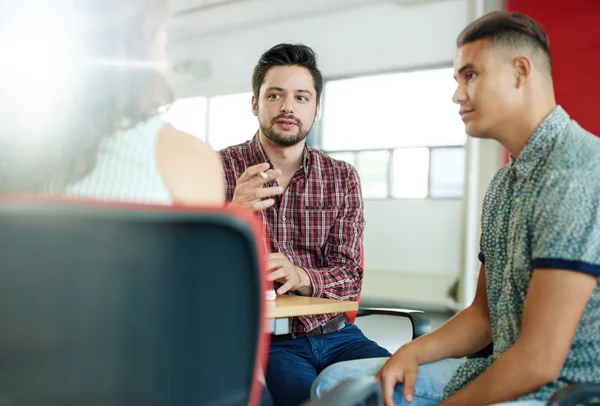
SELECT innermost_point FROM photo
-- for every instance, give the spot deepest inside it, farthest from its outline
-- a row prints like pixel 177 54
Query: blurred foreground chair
pixel 114 304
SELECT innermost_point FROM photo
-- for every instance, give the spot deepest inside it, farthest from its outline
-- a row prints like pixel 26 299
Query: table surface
pixel 291 306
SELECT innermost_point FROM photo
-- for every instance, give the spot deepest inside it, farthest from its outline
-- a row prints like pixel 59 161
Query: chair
pixel 129 305
pixel 418 319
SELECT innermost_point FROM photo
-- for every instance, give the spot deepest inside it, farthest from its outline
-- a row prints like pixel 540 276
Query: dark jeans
pixel 293 365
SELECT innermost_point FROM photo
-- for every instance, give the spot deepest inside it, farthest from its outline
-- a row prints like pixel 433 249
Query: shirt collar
pixel 259 155
pixel 541 142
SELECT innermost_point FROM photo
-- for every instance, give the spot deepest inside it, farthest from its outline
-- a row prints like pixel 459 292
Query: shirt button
pixel 283 218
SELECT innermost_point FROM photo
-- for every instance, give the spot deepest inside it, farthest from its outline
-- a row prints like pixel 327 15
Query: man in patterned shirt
pixel 312 210
pixel 537 297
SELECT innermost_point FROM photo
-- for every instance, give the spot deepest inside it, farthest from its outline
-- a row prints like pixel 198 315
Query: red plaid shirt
pixel 317 222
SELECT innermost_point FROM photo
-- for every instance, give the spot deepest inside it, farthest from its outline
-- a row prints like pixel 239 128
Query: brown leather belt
pixel 335 324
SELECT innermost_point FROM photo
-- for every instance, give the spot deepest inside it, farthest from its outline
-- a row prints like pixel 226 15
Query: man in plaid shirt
pixel 312 210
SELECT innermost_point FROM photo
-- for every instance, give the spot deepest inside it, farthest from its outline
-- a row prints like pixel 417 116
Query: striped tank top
pixel 126 169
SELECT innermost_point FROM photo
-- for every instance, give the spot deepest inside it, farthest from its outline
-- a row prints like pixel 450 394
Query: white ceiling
pixel 200 18
pixel 179 6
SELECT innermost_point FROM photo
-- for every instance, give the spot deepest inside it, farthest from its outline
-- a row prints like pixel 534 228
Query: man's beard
pixel 285 140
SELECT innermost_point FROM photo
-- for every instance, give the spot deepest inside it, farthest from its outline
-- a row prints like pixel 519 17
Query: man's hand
pixel 249 189
pixel 400 368
pixel 292 278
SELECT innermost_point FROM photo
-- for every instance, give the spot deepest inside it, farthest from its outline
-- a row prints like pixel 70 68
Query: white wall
pixel 414 236
pixel 368 39
pixel 413 248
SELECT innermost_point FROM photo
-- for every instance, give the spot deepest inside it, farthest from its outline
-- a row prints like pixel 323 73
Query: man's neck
pixel 288 159
pixel 517 131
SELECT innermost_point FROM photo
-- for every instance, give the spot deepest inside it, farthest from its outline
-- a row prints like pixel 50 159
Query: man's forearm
pixel 463 335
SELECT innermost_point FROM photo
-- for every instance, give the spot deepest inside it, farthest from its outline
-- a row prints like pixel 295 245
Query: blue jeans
pixel 293 365
pixel 429 389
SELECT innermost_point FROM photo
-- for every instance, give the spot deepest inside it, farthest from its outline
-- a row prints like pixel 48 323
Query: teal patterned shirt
pixel 542 210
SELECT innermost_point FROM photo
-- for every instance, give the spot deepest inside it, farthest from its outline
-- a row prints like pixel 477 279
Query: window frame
pixel 318 136
pixel 390 170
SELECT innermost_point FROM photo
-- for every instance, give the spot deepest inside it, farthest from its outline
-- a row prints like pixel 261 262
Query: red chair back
pixel 352 315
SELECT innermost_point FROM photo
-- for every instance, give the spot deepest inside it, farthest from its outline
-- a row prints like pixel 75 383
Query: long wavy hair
pixel 112 80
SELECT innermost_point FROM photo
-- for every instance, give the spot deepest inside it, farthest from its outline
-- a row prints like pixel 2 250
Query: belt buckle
pixel 293 335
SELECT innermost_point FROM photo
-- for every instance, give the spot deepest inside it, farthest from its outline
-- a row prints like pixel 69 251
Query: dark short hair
pixel 508 28
pixel 287 55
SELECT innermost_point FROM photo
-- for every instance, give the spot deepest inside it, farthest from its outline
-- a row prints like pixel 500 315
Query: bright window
pixel 189 115
pixel 230 120
pixel 401 131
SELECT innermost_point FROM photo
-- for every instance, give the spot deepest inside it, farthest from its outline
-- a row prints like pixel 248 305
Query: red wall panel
pixel 573 27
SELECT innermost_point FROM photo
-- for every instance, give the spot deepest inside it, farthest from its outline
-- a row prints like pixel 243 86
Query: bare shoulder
pixel 174 140
pixel 190 168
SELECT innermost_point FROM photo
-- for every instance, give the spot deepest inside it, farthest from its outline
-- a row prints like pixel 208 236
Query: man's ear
pixel 254 106
pixel 523 67
pixel 318 115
